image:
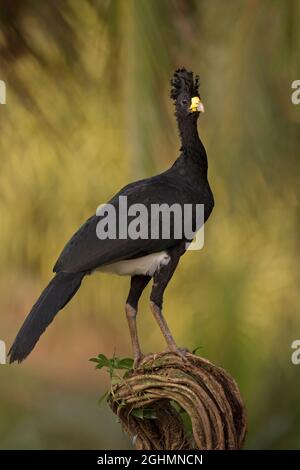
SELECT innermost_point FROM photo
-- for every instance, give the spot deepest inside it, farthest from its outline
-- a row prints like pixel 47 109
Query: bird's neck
pixel 191 145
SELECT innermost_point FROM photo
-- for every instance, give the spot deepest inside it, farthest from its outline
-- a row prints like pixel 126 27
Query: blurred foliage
pixel 88 110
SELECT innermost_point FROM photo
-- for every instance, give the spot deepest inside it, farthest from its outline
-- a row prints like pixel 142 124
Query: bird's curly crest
pixel 183 80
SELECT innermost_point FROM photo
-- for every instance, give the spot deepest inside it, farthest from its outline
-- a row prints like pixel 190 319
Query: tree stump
pixel 156 403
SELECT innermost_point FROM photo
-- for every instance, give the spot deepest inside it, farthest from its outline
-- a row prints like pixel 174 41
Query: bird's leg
pixel 138 283
pixel 160 281
pixel 157 313
pixel 131 314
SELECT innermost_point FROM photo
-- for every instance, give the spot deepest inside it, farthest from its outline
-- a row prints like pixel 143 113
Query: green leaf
pixel 93 359
pixel 121 404
pixel 150 414
pixel 187 423
pixel 144 413
pixel 196 349
pixel 125 363
pixel 101 360
pixel 115 380
pixel 102 356
pixel 138 413
pixel 102 364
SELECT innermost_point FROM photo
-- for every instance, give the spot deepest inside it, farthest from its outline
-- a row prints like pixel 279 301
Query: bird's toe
pixel 137 361
pixel 181 352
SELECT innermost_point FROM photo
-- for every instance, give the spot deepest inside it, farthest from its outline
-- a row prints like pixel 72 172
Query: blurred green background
pixel 88 110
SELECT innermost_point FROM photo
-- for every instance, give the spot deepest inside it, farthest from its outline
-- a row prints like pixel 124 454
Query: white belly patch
pixel 146 265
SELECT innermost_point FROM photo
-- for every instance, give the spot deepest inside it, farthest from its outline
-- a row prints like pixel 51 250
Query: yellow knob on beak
pixel 196 105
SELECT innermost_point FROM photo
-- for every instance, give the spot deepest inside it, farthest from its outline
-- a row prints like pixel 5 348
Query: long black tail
pixel 53 298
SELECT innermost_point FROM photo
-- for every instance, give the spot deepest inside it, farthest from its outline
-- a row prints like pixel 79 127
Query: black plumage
pixel 184 183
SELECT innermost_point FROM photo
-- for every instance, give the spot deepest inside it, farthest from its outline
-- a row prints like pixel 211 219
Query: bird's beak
pixel 196 105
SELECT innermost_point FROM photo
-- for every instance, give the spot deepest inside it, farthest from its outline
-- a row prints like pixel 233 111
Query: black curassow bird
pixel 142 259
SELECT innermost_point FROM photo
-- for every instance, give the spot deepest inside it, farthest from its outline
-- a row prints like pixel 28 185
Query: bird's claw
pixel 137 361
pixel 181 352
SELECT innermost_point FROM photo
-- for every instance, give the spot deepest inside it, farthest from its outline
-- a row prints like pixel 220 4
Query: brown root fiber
pixel 155 402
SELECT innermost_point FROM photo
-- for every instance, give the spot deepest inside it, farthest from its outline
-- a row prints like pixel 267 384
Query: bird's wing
pixel 86 252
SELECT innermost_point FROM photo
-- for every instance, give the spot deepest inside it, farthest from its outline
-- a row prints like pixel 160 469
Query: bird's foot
pixel 181 352
pixel 137 361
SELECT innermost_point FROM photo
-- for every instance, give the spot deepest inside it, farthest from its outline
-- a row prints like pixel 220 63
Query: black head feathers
pixel 184 81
